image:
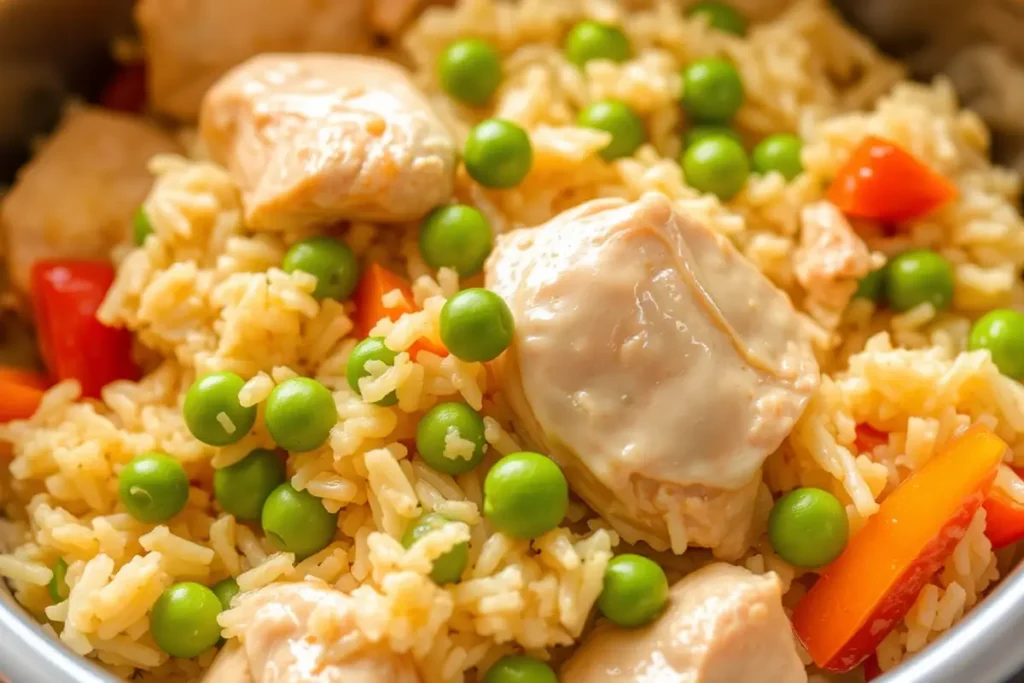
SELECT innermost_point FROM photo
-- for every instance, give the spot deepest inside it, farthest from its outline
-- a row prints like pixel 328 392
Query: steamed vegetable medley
pixel 438 399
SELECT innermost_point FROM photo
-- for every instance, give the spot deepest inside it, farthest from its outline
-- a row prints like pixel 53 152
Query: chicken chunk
pixel 723 624
pixel 75 199
pixel 831 258
pixel 655 364
pixel 301 633
pixel 322 138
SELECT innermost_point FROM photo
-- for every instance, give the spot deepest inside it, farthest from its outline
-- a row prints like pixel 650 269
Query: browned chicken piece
pixel 322 138
pixel 831 258
pixel 723 624
pixel 294 637
pixel 654 363
pixel 75 199
pixel 189 44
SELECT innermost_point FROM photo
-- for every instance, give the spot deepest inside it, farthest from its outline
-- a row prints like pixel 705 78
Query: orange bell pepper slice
pixel 369 300
pixel 20 393
pixel 861 596
pixel 1004 516
pixel 884 182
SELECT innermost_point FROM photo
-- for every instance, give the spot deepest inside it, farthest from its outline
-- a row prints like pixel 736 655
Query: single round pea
pixel 520 669
pixel 596 40
pixel 717 165
pixel 184 620
pixel 449 566
pixel 297 522
pixel 330 261
pixel 779 153
pixel 58 582
pixel 153 487
pixel 615 117
pixel 917 276
pixel 225 591
pixel 476 325
pixel 456 236
pixel 525 495
pixel 242 488
pixel 808 528
pixel 371 348
pixel 871 285
pixel 300 414
pixel 213 412
pixel 708 130
pixel 469 70
pixel 719 16
pixel 434 428
pixel 498 154
pixel 1001 332
pixel 712 90
pixel 141 227
pixel 635 590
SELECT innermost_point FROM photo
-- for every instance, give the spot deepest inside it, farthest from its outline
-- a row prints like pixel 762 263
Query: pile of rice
pixel 207 295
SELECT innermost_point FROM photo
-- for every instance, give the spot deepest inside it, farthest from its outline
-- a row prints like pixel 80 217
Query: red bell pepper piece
pixel 126 91
pixel 74 344
pixel 868 438
pixel 884 182
pixel 368 297
pixel 871 668
pixel 1004 516
pixel 20 393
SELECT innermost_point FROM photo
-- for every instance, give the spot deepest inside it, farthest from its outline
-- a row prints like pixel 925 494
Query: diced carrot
pixel 1004 516
pixel 884 182
pixel 20 393
pixel 375 283
pixel 861 596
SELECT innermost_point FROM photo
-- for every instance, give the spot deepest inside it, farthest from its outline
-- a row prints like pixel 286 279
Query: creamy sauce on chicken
pixel 650 359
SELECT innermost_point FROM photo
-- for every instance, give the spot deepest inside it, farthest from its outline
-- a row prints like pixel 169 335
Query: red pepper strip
pixel 868 438
pixel 884 182
pixel 74 344
pixel 20 393
pixel 870 587
pixel 1004 516
pixel 871 668
pixel 126 91
pixel 368 297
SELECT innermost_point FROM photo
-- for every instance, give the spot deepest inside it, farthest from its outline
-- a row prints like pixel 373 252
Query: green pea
pixel 525 495
pixel 58 582
pixel 498 154
pixel 708 130
pixel 1001 333
pixel 435 425
pixel 300 414
pixel 719 16
pixel 330 261
pixel 615 117
pixel 183 621
pixel 213 412
pixel 448 567
pixel 153 487
pixel 871 285
pixel 595 40
pixel 141 227
pixel 456 236
pixel 469 70
pixel 226 591
pixel 476 325
pixel 371 348
pixel 712 90
pixel 716 165
pixel 635 591
pixel 808 528
pixel 242 488
pixel 779 153
pixel 297 522
pixel 919 276
pixel 520 669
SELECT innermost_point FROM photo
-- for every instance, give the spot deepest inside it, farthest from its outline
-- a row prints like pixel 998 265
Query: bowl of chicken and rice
pixel 512 342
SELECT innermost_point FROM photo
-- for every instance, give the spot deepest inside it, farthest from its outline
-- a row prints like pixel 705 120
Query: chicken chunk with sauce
pixel 189 44
pixel 655 364
pixel 302 633
pixel 75 199
pixel 722 624
pixel 322 138
pixel 831 258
